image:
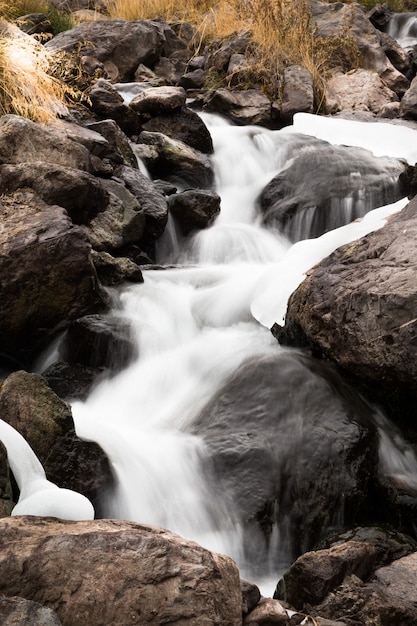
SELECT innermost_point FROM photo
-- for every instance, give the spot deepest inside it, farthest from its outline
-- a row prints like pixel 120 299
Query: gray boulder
pixel 194 209
pixel 297 92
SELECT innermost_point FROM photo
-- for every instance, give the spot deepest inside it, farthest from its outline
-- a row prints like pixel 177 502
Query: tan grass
pixel 26 87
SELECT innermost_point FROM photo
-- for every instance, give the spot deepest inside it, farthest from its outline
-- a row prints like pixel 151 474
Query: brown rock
pixel 267 613
pixel 20 612
pixel 360 90
pixel 159 100
pixel 117 572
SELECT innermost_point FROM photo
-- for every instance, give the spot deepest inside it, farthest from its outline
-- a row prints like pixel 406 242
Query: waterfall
pixel 197 323
pixel 403 28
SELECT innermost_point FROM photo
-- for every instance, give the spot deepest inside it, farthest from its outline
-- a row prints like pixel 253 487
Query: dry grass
pixel 26 87
pixel 12 9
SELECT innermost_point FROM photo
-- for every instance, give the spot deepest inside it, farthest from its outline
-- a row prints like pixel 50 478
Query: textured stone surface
pixel 117 572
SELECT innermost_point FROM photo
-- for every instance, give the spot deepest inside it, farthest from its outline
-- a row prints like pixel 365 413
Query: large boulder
pixel 34 303
pixel 358 307
pixel 117 572
pixel 186 126
pixel 267 446
pixel 194 208
pixel 338 19
pixel 24 141
pixel 361 90
pixel 326 187
pixel 297 92
pixel 120 45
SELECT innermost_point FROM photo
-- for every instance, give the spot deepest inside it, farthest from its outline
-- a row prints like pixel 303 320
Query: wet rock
pixel 99 341
pixel 33 303
pixel 173 160
pixel 6 496
pixel 184 125
pixel 20 612
pixel 267 450
pixel 24 141
pixel 308 197
pixel 358 307
pixel 297 92
pixel 70 382
pixel 194 208
pixel 121 571
pixel 241 107
pixel 113 271
pixel 152 202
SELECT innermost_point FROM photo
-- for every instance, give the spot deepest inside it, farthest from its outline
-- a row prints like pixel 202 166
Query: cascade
pixel 403 28
pixel 205 320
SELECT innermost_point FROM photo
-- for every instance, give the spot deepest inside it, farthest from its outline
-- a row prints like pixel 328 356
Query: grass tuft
pixel 26 86
pixel 10 10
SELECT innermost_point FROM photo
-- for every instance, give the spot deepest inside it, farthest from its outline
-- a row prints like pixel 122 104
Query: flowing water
pixel 196 323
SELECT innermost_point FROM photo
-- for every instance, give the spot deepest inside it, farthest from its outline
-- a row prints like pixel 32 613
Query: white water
pixel 195 325
pixel 403 28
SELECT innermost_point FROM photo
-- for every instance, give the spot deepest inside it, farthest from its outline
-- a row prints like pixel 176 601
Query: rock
pixel 250 596
pixel 80 193
pixel 220 50
pixel 241 107
pixel 99 341
pixel 24 141
pixel 152 202
pixel 119 147
pixel 117 572
pixel 313 194
pixel 70 382
pixel 408 106
pixel 267 613
pixel 315 574
pixel 34 303
pixel 266 459
pixel 399 57
pixel 113 271
pixel 171 69
pixel 297 92
pixel 358 308
pixel 35 24
pixel 6 496
pixel 158 100
pixel 360 90
pixel 193 80
pixel 194 208
pixel 380 15
pixel 337 18
pixel 45 421
pixel 16 611
pixel 120 223
pixel 106 102
pixel 119 44
pixel 184 125
pixel 175 161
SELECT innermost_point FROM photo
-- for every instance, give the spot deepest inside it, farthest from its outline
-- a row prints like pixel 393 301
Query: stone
pixel 358 308
pixel 113 271
pixel 106 103
pixel 184 125
pixel 194 209
pixel 120 223
pixel 360 90
pixel 175 161
pixel 119 147
pixel 117 572
pixel 267 613
pixel 24 141
pixel 16 611
pixel 241 107
pixel 266 458
pixel 194 79
pixel 297 92
pixel 34 303
pixel 158 100
pixel 250 596
pixel 408 106
pixel 80 193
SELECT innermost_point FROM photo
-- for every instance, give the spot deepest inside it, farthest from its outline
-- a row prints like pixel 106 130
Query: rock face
pixel 359 91
pixel 267 450
pixel 314 194
pixel 358 308
pixel 117 572
pixel 20 612
pixel 36 235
